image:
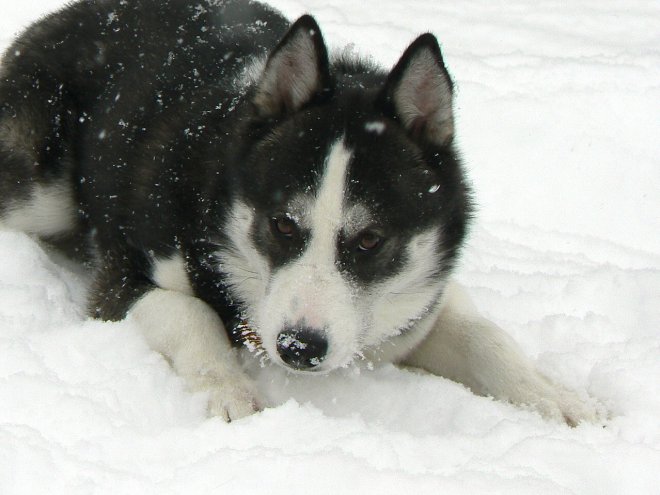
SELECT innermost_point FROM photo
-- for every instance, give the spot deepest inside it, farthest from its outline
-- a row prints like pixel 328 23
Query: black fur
pixel 134 103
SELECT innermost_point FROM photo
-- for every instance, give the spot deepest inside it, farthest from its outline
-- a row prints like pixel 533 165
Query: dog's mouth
pixel 299 350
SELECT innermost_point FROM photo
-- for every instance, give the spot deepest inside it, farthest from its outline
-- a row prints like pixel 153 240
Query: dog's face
pixel 353 204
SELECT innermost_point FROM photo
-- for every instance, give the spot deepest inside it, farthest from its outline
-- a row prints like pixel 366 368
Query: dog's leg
pixel 467 348
pixel 183 328
pixel 192 337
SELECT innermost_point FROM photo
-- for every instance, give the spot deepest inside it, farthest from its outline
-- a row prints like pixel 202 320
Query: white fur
pixel 355 217
pixel 327 215
pixel 311 291
pixel 246 269
pixel 191 336
pixel 49 211
pixel 412 293
pixel 467 348
pixel 170 273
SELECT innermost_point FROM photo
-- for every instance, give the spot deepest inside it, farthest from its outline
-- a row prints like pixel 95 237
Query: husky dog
pixel 236 185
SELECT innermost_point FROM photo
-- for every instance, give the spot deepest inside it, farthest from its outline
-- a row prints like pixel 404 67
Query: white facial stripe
pixel 327 210
pixel 356 217
pixel 310 291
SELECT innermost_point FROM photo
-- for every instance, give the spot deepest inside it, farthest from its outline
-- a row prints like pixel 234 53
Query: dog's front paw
pixel 230 398
pixel 553 401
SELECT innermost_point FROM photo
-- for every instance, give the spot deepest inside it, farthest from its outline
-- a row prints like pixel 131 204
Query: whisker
pixel 240 268
pixel 407 293
pixel 245 279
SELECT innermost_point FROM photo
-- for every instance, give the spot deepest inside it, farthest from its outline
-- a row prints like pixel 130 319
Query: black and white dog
pixel 240 187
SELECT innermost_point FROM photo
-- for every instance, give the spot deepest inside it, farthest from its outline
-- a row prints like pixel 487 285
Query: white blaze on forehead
pixel 310 291
pixel 327 210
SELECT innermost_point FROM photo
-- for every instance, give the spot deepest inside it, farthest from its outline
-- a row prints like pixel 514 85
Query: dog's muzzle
pixel 303 348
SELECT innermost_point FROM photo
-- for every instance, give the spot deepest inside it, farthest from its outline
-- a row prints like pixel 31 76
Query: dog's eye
pixel 284 226
pixel 369 241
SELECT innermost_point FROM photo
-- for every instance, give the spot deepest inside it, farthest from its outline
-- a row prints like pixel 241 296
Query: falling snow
pixel 557 121
pixel 377 127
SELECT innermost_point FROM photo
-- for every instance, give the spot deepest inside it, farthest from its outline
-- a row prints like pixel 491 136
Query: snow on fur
pixel 558 119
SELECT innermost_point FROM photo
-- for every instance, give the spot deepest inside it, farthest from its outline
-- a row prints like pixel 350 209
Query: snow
pixel 558 119
pixel 375 127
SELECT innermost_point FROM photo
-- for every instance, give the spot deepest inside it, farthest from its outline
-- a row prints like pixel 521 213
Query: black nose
pixel 302 348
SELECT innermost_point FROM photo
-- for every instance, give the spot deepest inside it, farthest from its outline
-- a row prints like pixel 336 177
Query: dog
pixel 235 185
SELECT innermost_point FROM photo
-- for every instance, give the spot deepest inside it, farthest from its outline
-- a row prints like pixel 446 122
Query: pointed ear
pixel 296 72
pixel 419 93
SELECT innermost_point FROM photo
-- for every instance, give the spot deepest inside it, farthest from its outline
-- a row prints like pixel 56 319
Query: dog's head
pixel 352 203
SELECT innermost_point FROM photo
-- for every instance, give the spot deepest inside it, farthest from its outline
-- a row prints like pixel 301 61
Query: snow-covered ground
pixel 559 122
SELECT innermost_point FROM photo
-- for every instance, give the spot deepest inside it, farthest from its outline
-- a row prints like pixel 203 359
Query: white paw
pixel 230 397
pixel 553 401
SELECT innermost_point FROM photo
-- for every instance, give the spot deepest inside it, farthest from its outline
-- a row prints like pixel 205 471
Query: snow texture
pixel 558 109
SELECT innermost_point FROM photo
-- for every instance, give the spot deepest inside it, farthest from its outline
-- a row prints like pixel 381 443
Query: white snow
pixel 377 127
pixel 558 118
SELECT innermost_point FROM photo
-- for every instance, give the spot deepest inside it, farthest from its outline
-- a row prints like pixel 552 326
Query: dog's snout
pixel 302 348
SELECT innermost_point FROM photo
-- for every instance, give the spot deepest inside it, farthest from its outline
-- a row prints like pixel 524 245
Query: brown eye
pixel 284 226
pixel 369 241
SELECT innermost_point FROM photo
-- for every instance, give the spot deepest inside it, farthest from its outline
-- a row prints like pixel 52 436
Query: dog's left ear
pixel 419 93
pixel 297 71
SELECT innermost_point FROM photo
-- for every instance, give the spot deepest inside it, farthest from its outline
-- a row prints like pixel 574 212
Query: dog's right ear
pixel 296 73
pixel 419 93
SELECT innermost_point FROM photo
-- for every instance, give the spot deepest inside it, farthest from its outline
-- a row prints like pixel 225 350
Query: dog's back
pixel 80 87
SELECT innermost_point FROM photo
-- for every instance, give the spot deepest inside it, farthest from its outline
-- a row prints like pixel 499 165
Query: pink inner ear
pixel 285 80
pixel 417 128
pixel 423 100
pixel 292 76
pixel 297 79
pixel 427 100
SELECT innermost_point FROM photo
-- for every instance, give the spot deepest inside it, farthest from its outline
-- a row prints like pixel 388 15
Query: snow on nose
pixel 302 348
